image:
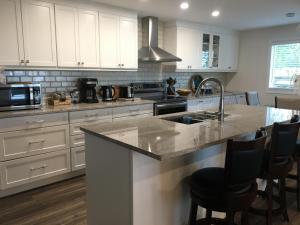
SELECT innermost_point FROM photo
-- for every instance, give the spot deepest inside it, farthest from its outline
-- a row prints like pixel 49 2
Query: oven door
pixel 168 108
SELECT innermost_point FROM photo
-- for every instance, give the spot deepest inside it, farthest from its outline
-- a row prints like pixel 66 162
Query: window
pixel 285 64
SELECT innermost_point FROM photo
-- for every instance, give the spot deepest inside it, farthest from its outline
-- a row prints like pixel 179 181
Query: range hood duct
pixel 150 52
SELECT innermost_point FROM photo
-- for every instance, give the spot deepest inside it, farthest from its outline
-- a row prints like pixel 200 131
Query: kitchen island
pixel 137 171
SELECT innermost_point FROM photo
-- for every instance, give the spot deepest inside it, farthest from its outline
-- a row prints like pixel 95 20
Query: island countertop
pixel 164 140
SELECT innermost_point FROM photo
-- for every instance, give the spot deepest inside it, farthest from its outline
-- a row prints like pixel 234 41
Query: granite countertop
pixel 73 107
pixel 164 140
pixel 226 93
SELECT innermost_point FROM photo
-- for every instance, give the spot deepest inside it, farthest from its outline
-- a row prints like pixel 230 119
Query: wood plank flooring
pixel 64 203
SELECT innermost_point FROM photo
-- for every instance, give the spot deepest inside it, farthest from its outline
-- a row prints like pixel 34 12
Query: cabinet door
pixel 189 48
pixel 128 43
pixel 229 51
pixel 11 38
pixel 109 41
pixel 67 36
pixel 39 33
pixel 88 38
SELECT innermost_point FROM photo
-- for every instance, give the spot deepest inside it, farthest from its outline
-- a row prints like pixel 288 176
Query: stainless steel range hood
pixel 150 52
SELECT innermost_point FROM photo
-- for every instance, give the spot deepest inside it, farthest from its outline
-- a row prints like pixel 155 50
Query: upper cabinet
pixel 202 48
pixel 118 42
pixel 39 33
pixel 229 52
pixel 29 41
pixel 11 38
pixel 77 34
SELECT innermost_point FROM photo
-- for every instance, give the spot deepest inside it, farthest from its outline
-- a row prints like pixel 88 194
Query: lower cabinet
pixel 25 170
pixel 78 158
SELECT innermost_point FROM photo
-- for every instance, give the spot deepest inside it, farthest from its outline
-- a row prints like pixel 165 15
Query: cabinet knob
pixel 82 63
pixel 229 67
pixel 22 61
pixel 78 63
pixel 122 65
pixel 27 61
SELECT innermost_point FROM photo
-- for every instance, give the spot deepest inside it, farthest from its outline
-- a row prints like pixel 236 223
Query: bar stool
pixel 228 189
pixel 278 162
pixel 252 98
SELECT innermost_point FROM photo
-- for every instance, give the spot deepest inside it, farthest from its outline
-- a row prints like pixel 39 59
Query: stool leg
pixel 269 201
pixel 283 199
pixel 193 213
pixel 208 214
pixel 245 218
pixel 298 183
pixel 230 218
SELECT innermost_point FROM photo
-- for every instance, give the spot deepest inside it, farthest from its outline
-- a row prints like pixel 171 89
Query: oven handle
pixel 171 105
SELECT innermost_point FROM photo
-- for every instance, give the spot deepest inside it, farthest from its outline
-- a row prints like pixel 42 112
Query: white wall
pixel 254 60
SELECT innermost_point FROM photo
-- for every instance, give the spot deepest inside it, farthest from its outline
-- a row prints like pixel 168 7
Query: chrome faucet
pixel 221 104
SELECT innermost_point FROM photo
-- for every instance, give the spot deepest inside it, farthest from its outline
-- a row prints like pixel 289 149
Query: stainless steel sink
pixel 192 118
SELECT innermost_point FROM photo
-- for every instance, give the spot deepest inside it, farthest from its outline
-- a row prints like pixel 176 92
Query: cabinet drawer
pixel 78 158
pixel 29 169
pixel 132 110
pixel 31 122
pixel 77 140
pixel 75 127
pixel 90 115
pixel 32 142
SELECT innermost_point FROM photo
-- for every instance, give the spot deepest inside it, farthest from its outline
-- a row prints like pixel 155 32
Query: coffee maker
pixel 87 90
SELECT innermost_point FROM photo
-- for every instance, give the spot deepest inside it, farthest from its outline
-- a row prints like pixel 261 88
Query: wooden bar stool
pixel 278 162
pixel 228 189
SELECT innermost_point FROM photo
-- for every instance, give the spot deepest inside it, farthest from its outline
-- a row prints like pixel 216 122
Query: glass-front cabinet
pixel 210 51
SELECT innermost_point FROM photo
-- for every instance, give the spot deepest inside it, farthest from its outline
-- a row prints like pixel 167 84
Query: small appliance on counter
pixel 75 95
pixel 126 92
pixel 107 92
pixel 87 90
pixel 171 89
pixel 20 96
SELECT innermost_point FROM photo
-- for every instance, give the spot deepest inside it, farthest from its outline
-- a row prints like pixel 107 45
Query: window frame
pixel 272 89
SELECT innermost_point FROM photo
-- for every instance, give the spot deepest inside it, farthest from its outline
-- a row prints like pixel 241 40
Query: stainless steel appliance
pixel 164 104
pixel 126 91
pixel 150 52
pixel 107 93
pixel 20 96
pixel 87 90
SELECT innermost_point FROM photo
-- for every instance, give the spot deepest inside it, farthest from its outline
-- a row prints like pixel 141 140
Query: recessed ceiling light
pixel 215 13
pixel 290 15
pixel 184 5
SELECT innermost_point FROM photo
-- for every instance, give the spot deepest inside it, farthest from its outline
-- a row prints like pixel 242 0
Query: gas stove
pixel 157 92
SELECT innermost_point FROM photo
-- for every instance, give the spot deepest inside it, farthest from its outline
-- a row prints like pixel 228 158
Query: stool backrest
pixel 283 142
pixel 252 98
pixel 243 161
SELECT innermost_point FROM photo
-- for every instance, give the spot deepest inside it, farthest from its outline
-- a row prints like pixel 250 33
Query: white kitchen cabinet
pixel 25 170
pixel 185 43
pixel 11 38
pixel 210 50
pixel 118 42
pixel 24 143
pixel 77 34
pixel 78 158
pixel 229 52
pixel 39 33
pixel 132 111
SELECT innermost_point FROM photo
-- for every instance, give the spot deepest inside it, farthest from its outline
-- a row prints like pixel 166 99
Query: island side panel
pixel 161 190
pixel 109 182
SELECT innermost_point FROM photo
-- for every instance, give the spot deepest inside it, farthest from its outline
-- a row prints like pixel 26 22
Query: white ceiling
pixel 235 14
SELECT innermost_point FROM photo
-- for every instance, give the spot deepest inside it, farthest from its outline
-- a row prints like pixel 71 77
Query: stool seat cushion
pixel 208 181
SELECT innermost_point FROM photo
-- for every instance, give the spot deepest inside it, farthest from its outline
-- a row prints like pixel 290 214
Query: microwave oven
pixel 20 96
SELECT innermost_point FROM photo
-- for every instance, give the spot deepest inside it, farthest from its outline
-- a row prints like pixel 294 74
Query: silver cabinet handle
pixel 22 61
pixel 35 121
pixel 36 141
pixel 41 167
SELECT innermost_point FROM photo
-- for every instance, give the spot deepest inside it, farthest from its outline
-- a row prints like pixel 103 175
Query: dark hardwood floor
pixel 64 203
